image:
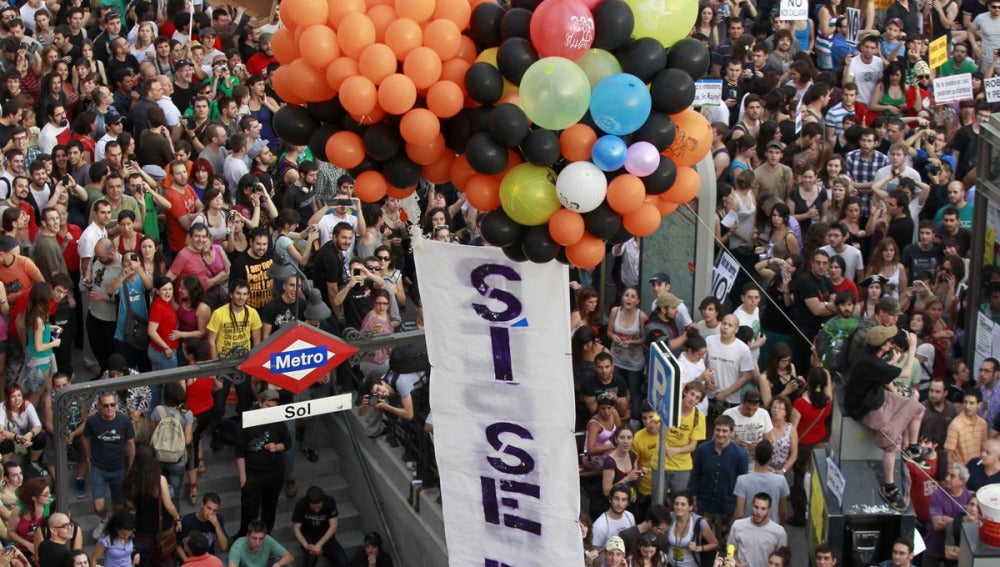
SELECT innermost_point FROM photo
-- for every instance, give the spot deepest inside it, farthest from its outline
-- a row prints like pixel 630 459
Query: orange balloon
pixel 284 46
pixel 345 149
pixel 458 11
pixel 625 194
pixel 566 227
pixel 372 3
pixel 381 17
pixel 444 37
pixel 467 50
pixel 282 81
pixel 474 3
pixel 445 99
pixel 339 70
pixel 340 8
pixel 454 70
pixel 428 153
pixel 305 12
pixel 373 117
pixel 483 192
pixel 460 172
pixel 685 187
pixel 370 186
pixel 355 33
pixel 693 139
pixel 419 126
pixel 587 253
pixel 422 65
pixel 397 94
pixel 576 142
pixel 438 171
pixel 417 10
pixel 358 95
pixel 513 160
pixel 644 221
pixel 403 36
pixel 310 83
pixel 377 62
pixel 318 45
pixel 665 207
pixel 397 193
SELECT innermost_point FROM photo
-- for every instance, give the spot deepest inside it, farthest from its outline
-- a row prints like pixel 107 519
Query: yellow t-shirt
pixel 645 446
pixel 230 333
pixel 680 436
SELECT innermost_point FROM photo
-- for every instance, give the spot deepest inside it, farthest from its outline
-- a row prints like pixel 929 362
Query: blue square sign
pixel 665 384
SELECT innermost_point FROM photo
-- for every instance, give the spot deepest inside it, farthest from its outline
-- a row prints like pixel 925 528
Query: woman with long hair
pixel 147 492
pixel 783 436
pixel 262 107
pixel 162 350
pixel 372 554
pixel 588 310
pixel 889 97
pixel 151 260
pixel 201 176
pixel 886 261
pixel 779 275
pixel 216 215
pixel 834 207
pixel 174 404
pixel 253 202
pixel 620 463
pixel 377 322
pixel 371 239
pixel 707 23
pixel 806 200
pixel 783 242
pixel 39 352
pixel 434 218
pixel 827 13
pixel 285 236
pixel 625 325
pixel 838 276
pixel 34 501
pixel 857 234
pixel 832 168
pixel 647 553
pixel 724 214
pixel 193 311
pixel 809 414
pixel 600 430
pixel 96 65
pixel 686 540
pixel 743 150
pixel 779 371
pixel 128 237
pixel 22 426
pixel 143 48
pixel 870 290
pixel 116 546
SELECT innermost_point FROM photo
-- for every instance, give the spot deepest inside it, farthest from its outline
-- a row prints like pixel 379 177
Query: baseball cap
pixel 112 116
pixel 257 148
pixel 155 171
pixel 660 277
pixel 667 299
pixel 265 37
pixel 615 543
pixel 117 363
pixel 269 395
pixel 8 243
pixel 752 395
pixel 220 58
pixel 775 144
pixel 207 31
pixel 181 64
pixel 896 21
pixel 889 305
pixel 878 334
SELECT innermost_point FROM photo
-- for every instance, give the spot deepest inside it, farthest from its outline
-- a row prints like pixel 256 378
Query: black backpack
pixel 409 358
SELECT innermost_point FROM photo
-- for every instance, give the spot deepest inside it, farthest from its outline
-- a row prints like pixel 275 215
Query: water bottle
pixel 725 11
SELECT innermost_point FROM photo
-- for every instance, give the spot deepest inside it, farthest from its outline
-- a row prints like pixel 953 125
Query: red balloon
pixel 562 28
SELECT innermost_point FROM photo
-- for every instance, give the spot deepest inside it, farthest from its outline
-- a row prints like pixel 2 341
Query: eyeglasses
pixel 373 268
pixel 384 258
pixel 66 525
pixel 923 76
pixel 111 405
pixel 381 303
pixel 995 7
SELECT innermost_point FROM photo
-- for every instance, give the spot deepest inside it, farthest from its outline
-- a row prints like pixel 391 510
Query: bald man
pixel 731 360
pixel 985 469
pixel 57 549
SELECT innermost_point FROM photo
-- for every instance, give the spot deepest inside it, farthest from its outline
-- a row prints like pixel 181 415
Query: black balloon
pixel 485 155
pixel 644 58
pixel 514 57
pixel 365 165
pixel 481 118
pixel 317 141
pixel 382 141
pixel 351 125
pixel 483 82
pixel 529 5
pixel 672 91
pixel 516 23
pixel 508 125
pixel 484 27
pixel 515 252
pixel 561 256
pixel 541 147
pixel 457 130
pixel 621 236
pixel 499 229
pixel 613 22
pixel 294 124
pixel 400 172
pixel 602 222
pixel 691 56
pixel 328 111
pixel 538 245
pixel 658 130
pixel 662 178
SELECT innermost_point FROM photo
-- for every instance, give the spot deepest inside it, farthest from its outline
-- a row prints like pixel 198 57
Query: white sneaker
pixel 99 530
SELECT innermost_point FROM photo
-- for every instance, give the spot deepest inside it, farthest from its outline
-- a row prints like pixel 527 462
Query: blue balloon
pixel 609 153
pixel 620 104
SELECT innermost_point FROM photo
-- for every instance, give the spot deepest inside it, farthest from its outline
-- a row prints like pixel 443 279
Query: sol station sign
pixel 296 357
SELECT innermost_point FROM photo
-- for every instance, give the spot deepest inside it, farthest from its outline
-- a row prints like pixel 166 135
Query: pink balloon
pixel 642 159
pixel 562 28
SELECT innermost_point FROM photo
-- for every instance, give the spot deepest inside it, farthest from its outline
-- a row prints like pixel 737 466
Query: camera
pixel 191 122
pixel 357 271
pixel 66 179
pixel 341 202
pixel 258 187
pixel 231 215
pixel 374 400
pixel 935 170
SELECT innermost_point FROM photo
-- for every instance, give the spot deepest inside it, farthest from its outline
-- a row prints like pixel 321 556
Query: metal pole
pixel 660 474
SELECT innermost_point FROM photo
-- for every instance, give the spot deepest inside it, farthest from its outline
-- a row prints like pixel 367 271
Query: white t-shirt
pixel 329 221
pixel 88 240
pixel 690 372
pixel 751 320
pixel 866 76
pixel 729 361
pixel 605 527
pixel 853 259
pixel 750 429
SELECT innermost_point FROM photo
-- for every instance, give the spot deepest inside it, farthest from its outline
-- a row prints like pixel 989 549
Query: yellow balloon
pixel 667 21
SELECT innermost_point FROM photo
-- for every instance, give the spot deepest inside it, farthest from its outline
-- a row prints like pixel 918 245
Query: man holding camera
pixel 355 298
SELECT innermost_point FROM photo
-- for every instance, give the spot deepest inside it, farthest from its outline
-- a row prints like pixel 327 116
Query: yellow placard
pixel 817 507
pixel 883 4
pixel 938 52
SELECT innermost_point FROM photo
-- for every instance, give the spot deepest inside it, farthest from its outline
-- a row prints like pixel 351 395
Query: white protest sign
pixel 724 276
pixel 794 10
pixel 955 88
pixel 853 25
pixel 992 86
pixel 835 480
pixel 707 92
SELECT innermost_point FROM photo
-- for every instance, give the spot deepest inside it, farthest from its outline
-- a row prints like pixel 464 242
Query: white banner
pixel 954 88
pixel 498 339
pixel 707 92
pixel 794 10
pixel 992 86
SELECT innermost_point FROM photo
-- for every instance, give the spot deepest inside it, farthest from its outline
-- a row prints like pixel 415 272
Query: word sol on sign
pixel 794 10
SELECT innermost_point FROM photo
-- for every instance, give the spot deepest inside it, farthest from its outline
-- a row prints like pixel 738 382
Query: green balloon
pixel 528 194
pixel 598 64
pixel 667 21
pixel 555 93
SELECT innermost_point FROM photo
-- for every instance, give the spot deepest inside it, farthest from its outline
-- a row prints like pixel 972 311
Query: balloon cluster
pixel 566 122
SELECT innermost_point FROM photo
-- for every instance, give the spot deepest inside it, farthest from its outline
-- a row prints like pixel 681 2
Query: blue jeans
pixel 174 472
pixel 159 360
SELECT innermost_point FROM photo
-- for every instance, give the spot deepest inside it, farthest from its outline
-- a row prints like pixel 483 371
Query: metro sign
pixel 296 357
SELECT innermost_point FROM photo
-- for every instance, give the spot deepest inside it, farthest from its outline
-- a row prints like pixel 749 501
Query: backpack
pixel 702 558
pixel 833 340
pixel 409 359
pixel 168 438
pixel 420 396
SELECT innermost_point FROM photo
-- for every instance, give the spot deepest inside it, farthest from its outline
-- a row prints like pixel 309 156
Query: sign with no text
pixel 938 52
pixel 955 88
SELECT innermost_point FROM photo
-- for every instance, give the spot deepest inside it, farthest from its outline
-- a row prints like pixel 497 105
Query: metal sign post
pixel 665 397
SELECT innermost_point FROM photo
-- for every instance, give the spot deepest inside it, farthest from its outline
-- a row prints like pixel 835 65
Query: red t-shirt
pixel 161 312
pixel 199 395
pixel 181 203
pixel 71 253
pixel 809 415
pixel 922 486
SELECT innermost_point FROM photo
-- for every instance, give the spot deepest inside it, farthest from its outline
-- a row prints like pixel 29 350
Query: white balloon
pixel 581 186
